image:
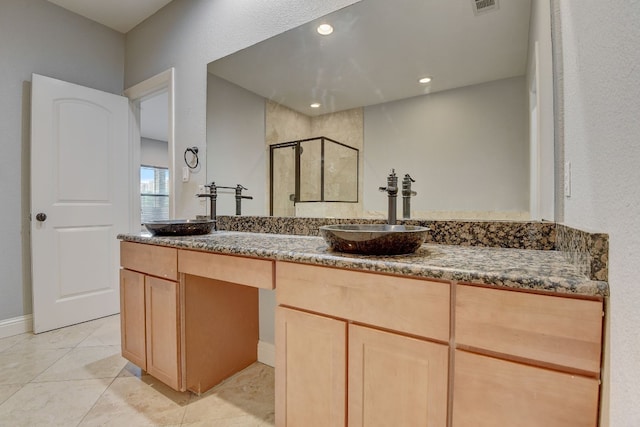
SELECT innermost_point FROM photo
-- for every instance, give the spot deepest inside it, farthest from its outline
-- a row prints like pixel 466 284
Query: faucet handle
pixel 408 178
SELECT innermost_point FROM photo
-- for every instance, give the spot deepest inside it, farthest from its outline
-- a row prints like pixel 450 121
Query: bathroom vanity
pixel 190 318
pixel 450 335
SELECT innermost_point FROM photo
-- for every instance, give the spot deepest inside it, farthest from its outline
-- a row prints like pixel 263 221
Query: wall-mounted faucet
pixel 392 193
pixel 213 196
pixel 406 196
pixel 239 198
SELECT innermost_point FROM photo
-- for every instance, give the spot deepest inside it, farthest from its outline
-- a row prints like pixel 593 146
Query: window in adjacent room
pixel 154 193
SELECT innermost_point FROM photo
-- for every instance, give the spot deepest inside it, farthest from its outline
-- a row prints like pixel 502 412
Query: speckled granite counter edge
pixel 514 278
pixel 587 251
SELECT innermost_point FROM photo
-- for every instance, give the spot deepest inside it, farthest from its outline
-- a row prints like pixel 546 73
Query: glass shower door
pixel 283 185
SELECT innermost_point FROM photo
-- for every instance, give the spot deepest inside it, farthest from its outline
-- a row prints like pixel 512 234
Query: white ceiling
pixel 375 55
pixel 378 51
pixel 120 15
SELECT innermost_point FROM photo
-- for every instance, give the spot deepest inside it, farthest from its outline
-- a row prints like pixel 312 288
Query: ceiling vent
pixel 483 6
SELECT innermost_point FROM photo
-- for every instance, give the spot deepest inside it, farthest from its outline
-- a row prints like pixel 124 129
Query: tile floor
pixel 75 376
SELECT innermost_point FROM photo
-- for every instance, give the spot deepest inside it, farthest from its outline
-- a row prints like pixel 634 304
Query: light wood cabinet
pixel 162 303
pixel 525 359
pixel 252 272
pixel 324 365
pixel 406 305
pixel 150 310
pixel 132 318
pixel 494 392
pixel 157 261
pixel 396 380
pixel 311 369
pixel 558 332
pixel 190 318
pixel 337 361
pixel 519 358
pixel 363 349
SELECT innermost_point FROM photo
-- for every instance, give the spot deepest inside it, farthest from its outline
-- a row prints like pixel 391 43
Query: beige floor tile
pixel 19 365
pixel 6 391
pixel 68 337
pixel 131 401
pixel 61 403
pixel 85 363
pixel 248 395
pixel 243 421
pixel 107 333
pixel 8 342
pixel 131 370
pixel 71 372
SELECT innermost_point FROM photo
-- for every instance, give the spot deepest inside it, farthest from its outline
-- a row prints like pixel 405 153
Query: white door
pixel 79 201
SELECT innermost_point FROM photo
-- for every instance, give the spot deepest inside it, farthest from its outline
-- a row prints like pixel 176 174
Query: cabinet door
pixel 493 392
pixel 163 330
pixel 132 317
pixel 396 380
pixel 310 370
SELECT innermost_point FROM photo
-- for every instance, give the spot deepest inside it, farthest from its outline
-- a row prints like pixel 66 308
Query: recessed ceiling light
pixel 424 80
pixel 324 29
pixel 315 105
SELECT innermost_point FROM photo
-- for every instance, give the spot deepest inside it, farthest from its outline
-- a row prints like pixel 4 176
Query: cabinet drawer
pixel 557 331
pixel 150 259
pixel 412 306
pixel 257 273
pixel 490 392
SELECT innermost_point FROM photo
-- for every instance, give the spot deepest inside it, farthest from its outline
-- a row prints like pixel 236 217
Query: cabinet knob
pixel 41 216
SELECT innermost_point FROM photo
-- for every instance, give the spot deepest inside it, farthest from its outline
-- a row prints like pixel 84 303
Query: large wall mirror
pixel 473 137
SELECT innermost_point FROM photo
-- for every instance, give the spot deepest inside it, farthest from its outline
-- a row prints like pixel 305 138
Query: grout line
pixel 98 399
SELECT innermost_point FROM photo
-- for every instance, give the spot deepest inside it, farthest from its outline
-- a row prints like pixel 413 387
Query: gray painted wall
pixel 39 37
pixel 187 35
pixel 601 109
pixel 236 129
pixel 467 148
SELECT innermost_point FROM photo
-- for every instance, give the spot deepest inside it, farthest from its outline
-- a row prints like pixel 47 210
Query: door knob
pixel 41 217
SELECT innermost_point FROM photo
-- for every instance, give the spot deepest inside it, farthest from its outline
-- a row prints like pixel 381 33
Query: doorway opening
pixel 154 158
pixel 153 172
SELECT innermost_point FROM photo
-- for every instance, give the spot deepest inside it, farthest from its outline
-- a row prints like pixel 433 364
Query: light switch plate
pixel 567 179
pixel 202 190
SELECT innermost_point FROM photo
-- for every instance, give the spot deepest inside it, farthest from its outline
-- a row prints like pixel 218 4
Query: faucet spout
pixel 213 196
pixel 406 196
pixel 239 198
pixel 392 193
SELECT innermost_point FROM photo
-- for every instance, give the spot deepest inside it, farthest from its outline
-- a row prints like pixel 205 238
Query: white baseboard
pixel 267 353
pixel 16 325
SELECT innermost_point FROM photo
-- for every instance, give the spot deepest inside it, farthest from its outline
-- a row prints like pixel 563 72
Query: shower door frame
pixel 296 145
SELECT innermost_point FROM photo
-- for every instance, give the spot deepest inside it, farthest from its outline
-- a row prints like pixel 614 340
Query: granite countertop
pixel 526 269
